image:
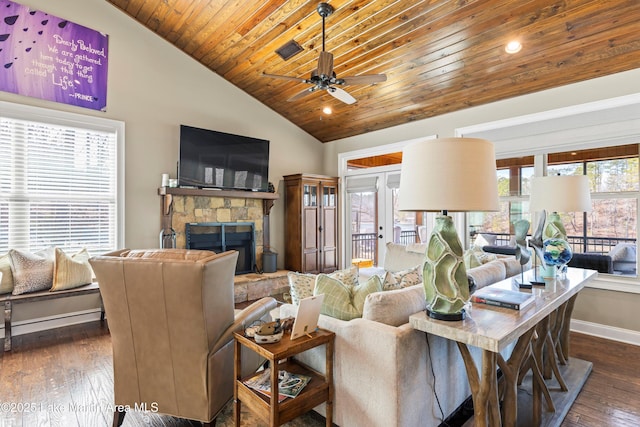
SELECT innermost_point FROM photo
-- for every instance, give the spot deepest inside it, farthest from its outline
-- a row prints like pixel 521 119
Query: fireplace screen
pixel 225 236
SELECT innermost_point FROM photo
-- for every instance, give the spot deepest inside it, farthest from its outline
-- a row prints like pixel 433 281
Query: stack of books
pixel 502 298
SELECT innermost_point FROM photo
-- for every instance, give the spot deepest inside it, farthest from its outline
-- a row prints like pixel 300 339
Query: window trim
pixel 64 118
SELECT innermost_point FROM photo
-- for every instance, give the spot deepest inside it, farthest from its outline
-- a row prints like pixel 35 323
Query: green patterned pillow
pixel 401 279
pixel 342 301
pixel 300 286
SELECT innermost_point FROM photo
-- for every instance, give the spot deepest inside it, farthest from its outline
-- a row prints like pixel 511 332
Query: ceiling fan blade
pixel 325 64
pixel 275 76
pixel 363 80
pixel 301 94
pixel 341 95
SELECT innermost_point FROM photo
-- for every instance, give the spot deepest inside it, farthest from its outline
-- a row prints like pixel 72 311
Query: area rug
pixel 248 419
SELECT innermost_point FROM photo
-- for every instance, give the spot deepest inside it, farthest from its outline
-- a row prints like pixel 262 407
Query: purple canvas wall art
pixel 50 58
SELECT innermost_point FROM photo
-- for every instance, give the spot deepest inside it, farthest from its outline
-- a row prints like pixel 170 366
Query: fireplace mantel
pixel 172 198
pixel 167 194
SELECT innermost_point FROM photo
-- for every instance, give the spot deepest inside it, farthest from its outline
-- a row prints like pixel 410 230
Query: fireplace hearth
pixel 225 236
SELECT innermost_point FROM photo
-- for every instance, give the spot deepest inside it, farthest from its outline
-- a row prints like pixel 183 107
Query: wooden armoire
pixel 311 223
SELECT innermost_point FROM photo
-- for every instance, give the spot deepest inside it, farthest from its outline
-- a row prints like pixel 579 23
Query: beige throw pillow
pixel 6 283
pixel 32 272
pixel 71 271
pixel 401 279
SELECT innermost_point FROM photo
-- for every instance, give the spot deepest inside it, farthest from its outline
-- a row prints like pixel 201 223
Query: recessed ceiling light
pixel 327 110
pixel 513 47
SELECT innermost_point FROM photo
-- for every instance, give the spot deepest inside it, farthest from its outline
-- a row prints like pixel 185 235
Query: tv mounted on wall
pixel 212 159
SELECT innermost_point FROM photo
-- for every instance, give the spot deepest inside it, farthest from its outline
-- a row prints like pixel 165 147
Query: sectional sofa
pixel 386 373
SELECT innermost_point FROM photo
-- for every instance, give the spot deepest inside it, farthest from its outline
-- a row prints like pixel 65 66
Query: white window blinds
pixel 362 184
pixel 58 186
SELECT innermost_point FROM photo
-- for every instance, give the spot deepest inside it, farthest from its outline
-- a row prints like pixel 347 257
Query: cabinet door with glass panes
pixel 311 223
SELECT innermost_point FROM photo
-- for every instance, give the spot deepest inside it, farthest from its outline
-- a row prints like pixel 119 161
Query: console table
pixel 543 323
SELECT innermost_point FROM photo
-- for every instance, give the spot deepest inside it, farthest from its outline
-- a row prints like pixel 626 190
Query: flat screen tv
pixel 212 159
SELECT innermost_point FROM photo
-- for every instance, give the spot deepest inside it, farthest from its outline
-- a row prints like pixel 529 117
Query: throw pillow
pixel 348 276
pixel 300 286
pixel 32 272
pixel 342 301
pixel 6 283
pixel 471 259
pixel 401 279
pixel 623 252
pixel 398 257
pixel 71 271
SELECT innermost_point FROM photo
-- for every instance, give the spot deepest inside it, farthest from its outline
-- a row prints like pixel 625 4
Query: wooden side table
pixel 280 357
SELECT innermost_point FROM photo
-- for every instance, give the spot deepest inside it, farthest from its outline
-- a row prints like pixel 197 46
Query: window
pixel 514 183
pixel 615 183
pixel 59 183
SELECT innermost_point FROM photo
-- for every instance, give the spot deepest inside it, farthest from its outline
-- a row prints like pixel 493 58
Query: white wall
pixel 153 87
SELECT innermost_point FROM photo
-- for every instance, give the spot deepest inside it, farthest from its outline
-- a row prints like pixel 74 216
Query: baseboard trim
pixel 51 322
pixel 608 332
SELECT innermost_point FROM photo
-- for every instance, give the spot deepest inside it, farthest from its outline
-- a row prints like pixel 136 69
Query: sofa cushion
pixel 71 271
pixel 341 300
pixel 394 307
pixel 6 283
pixel 300 286
pixel 31 271
pixel 488 273
pixel 400 257
pixel 401 279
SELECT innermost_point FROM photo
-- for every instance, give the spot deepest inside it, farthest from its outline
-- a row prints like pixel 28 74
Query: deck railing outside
pixel 599 245
pixel 363 245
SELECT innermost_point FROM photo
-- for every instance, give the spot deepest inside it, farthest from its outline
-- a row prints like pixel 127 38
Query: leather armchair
pixel 171 317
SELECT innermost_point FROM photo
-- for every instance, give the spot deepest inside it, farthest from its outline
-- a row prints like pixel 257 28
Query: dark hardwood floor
pixel 63 378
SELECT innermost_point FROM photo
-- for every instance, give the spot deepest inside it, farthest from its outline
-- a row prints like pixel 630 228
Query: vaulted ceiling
pixel 439 56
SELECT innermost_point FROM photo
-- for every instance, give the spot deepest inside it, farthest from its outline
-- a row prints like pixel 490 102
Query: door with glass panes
pixel 373 217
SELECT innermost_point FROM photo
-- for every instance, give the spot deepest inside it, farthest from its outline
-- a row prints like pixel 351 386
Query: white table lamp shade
pixel 560 193
pixel 453 174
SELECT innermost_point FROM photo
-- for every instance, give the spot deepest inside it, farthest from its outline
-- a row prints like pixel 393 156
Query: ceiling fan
pixel 323 77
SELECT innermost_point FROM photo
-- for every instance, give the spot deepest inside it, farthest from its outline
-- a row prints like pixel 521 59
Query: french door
pixel 373 218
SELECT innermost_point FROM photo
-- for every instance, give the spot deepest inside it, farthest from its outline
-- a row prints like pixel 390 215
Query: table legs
pixel 484 387
pixel 510 370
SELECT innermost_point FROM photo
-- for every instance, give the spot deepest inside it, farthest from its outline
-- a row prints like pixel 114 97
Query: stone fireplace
pixel 225 236
pixel 182 206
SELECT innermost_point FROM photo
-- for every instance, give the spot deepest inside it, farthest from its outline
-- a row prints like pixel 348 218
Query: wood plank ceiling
pixel 439 55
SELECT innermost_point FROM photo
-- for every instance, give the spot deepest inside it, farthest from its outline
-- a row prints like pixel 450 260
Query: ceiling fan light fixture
pixel 513 46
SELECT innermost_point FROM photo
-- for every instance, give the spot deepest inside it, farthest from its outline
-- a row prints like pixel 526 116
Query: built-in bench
pixel 9 300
